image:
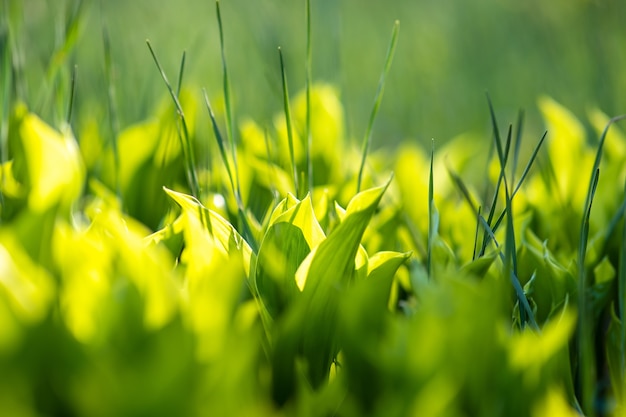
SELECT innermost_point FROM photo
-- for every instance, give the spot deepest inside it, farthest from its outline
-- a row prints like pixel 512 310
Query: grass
pixel 290 293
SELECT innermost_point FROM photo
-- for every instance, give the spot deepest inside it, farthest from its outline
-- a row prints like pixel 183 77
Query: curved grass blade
pixel 518 144
pixel 61 53
pixel 432 222
pixel 586 360
pixel 377 100
pixel 70 105
pixel 494 202
pixel 113 118
pixel 6 82
pixel 227 98
pixel 246 230
pixel 621 295
pixel 517 187
pixel 308 79
pixel 288 122
pixel 519 291
pixel 185 139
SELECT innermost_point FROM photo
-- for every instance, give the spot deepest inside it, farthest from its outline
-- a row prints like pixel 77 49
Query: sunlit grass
pixel 276 282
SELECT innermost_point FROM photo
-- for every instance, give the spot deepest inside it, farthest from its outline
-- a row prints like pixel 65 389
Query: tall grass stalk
pixel 185 139
pixel 586 355
pixel 621 294
pixel 6 83
pixel 227 98
pixel 287 111
pixel 308 80
pixel 367 138
pixel 70 105
pixel 432 222
pixel 243 221
pixel 114 123
pixel 221 146
pixel 65 45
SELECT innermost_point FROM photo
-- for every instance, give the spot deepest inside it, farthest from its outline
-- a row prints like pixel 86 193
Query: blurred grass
pixel 448 54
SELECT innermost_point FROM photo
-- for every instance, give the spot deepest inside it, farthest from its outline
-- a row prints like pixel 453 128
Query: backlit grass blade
pixel 185 138
pixel 113 118
pixel 586 359
pixel 6 82
pixel 70 105
pixel 64 47
pixel 496 131
pixel 431 214
pixel 181 72
pixel 494 202
pixel 517 286
pixel 529 164
pixel 522 178
pixel 377 100
pixel 178 88
pixel 520 182
pixel 227 98
pixel 518 144
pixel 478 215
pixel 621 293
pixel 526 313
pixel 308 80
pixel 220 143
pixel 246 230
pixel 287 111
pixel 460 185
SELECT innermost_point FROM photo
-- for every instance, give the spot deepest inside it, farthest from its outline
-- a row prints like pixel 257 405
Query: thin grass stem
pixel 308 80
pixel 377 100
pixel 227 98
pixel 432 226
pixel 185 137
pixel 111 100
pixel 587 372
pixel 70 105
pixel 287 111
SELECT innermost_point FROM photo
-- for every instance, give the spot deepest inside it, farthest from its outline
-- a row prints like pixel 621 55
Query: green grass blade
pixel 518 144
pixel 227 98
pixel 178 89
pixel 478 215
pixel 287 111
pixel 246 230
pixel 61 53
pixel 181 72
pixel 621 292
pixel 6 86
pixel 113 118
pixel 460 184
pixel 529 164
pixel 586 358
pixel 586 361
pixel 185 138
pixel 431 214
pixel 220 143
pixel 377 100
pixel 70 105
pixel 6 81
pixel 517 286
pixel 496 131
pixel 308 80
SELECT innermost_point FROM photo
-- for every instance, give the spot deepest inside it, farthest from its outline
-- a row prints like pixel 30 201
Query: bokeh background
pixel 449 54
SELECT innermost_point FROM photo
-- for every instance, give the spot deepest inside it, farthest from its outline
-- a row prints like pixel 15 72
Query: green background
pixel 449 53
